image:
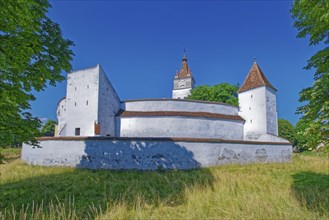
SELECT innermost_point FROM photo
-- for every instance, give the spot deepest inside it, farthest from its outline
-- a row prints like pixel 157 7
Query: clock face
pixel 181 84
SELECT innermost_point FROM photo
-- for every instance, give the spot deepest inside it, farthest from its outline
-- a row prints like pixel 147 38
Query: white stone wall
pixel 109 104
pixel 187 127
pixel 151 154
pixel 271 112
pixel 61 118
pixel 82 101
pixel 258 108
pixel 181 93
pixel 179 105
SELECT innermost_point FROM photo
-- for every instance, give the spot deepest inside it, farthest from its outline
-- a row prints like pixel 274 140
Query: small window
pixel 75 88
pixel 87 102
pixel 87 86
pixel 267 99
pixel 250 121
pixel 249 108
pixel 251 96
pixel 77 132
pixel 75 103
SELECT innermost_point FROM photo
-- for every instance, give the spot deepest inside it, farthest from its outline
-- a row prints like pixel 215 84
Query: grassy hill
pixel 257 191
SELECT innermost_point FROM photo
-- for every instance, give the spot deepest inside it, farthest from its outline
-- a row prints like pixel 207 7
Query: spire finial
pixel 184 57
pixel 255 60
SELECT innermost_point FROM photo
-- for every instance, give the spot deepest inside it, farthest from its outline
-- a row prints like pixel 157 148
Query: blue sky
pixel 140 45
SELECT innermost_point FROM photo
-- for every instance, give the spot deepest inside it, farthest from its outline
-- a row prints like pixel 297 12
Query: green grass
pixel 297 190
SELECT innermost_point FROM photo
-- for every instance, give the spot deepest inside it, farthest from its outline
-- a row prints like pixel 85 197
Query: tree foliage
pixel 33 54
pixel 307 140
pixel 311 18
pixel 286 130
pixel 223 92
pixel 48 128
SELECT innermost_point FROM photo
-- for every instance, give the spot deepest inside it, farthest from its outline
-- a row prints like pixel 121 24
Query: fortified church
pixel 92 107
pixel 97 130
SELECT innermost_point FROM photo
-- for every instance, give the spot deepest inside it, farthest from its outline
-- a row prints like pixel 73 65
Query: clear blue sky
pixel 140 45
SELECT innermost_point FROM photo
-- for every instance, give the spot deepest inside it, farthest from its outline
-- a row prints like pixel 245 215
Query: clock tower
pixel 183 81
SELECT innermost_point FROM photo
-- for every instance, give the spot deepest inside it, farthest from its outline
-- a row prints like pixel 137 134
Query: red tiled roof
pixel 176 113
pixel 255 78
pixel 185 70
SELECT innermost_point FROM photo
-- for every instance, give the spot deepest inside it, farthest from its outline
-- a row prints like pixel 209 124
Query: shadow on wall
pixel 101 189
pixel 139 155
pixel 312 190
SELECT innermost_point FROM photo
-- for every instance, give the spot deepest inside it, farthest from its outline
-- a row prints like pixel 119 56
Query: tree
pixel 33 54
pixel 306 140
pixel 286 130
pixel 223 92
pixel 49 128
pixel 311 18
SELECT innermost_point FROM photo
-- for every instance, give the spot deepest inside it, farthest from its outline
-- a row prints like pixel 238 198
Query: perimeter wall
pixel 151 153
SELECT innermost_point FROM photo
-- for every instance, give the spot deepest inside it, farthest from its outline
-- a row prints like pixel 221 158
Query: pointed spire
pixel 184 57
pixel 254 79
pixel 185 71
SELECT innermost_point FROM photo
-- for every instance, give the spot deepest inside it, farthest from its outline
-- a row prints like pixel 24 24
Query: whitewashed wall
pixel 166 126
pixel 109 104
pixel 151 154
pixel 82 101
pixel 271 112
pixel 61 117
pixel 179 105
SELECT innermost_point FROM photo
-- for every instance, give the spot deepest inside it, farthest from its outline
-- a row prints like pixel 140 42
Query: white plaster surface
pixel 150 155
pixel 179 105
pixel 181 93
pixel 258 108
pixel 170 126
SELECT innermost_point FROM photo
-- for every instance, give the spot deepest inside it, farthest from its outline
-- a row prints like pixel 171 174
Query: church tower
pixel 257 103
pixel 183 81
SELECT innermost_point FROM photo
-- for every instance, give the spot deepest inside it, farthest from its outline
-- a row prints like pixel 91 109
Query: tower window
pixel 251 96
pixel 251 121
pixel 87 102
pixel 267 99
pixel 75 88
pixel 87 86
pixel 75 103
pixel 77 132
pixel 249 108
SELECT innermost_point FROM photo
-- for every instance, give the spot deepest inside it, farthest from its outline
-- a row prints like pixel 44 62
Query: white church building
pixel 93 108
pixel 97 130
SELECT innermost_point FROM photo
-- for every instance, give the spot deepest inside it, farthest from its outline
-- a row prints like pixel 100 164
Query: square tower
pixel 183 81
pixel 257 103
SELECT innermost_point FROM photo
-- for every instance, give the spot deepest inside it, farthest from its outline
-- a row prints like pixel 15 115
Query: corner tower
pixel 257 102
pixel 183 81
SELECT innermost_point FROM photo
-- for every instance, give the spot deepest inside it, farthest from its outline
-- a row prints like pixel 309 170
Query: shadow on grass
pixel 101 188
pixel 312 190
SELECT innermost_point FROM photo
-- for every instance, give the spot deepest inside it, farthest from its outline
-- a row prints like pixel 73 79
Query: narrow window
pixel 87 86
pixel 267 99
pixel 77 132
pixel 75 103
pixel 251 96
pixel 87 102
pixel 249 108
pixel 75 88
pixel 251 121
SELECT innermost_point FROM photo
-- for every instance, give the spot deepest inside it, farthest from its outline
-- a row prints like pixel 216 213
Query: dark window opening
pixel 251 96
pixel 87 86
pixel 77 132
pixel 75 104
pixel 87 102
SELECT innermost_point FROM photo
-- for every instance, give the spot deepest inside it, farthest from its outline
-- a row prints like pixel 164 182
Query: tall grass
pixel 256 191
